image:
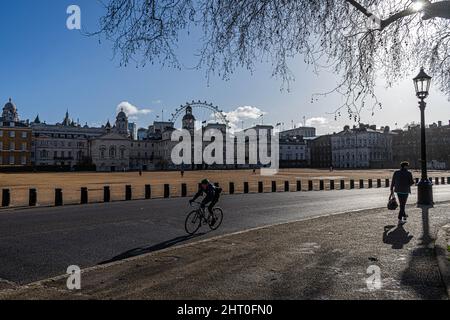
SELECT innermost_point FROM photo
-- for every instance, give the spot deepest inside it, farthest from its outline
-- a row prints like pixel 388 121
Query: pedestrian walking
pixel 401 185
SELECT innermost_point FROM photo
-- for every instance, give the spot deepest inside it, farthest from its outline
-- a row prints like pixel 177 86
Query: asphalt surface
pixel 40 243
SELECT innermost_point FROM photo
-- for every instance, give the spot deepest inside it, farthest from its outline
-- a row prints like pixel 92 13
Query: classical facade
pixel 62 144
pixel 15 138
pixel 361 147
pixel 111 152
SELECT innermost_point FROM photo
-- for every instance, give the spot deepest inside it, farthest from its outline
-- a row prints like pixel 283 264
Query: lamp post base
pixel 425 193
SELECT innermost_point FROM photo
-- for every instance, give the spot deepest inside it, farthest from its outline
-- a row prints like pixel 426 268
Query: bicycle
pixel 195 219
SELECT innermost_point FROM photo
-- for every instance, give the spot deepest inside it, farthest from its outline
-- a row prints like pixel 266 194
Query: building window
pixel 24 146
pixel 12 134
pixel 1 133
pixel 11 160
pixel 24 160
pixel 112 152
pixel 24 135
pixel 12 146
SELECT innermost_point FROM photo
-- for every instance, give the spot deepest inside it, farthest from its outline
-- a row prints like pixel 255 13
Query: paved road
pixel 39 243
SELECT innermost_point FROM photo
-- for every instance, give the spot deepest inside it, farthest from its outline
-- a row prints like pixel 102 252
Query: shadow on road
pixel 422 273
pixel 397 237
pixel 144 250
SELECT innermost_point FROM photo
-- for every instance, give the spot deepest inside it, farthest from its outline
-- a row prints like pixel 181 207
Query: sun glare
pixel 418 5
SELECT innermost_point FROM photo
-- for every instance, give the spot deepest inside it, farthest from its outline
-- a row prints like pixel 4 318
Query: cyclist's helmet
pixel 205 181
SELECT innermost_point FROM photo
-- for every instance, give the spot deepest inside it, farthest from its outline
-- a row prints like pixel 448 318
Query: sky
pixel 47 69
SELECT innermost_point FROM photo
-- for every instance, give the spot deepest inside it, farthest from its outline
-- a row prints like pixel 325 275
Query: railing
pixel 128 192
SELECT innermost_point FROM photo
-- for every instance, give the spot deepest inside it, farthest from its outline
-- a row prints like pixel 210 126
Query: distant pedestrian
pixel 182 173
pixel 140 172
pixel 401 185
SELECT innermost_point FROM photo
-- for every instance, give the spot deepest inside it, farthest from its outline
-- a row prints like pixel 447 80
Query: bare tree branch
pixel 329 34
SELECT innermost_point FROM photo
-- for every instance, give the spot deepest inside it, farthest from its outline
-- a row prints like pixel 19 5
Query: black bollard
pixel 370 183
pixel 378 183
pixel 286 186
pixel 274 186
pixel 32 198
pixel 352 184
pixel 299 186
pixel 6 198
pixel 332 187
pixel 84 195
pixel 246 187
pixel 321 185
pixel 436 181
pixel 231 188
pixel 442 180
pixel 148 191
pixel 342 185
pixel 166 191
pixel 361 184
pixel 128 193
pixel 106 194
pixel 386 183
pixel 260 187
pixel 58 197
pixel 310 185
pixel 184 190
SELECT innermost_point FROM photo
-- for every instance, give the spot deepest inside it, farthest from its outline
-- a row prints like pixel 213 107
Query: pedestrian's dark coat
pixel 402 181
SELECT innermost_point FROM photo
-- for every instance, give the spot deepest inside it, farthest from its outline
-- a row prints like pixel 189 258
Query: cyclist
pixel 212 196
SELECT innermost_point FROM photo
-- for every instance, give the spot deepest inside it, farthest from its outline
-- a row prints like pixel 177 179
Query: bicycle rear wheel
pixel 193 222
pixel 218 219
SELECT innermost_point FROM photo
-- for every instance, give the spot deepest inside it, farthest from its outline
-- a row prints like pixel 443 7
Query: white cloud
pixel 242 114
pixel 317 121
pixel 323 125
pixel 132 111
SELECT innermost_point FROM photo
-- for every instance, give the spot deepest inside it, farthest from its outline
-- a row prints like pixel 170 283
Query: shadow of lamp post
pixel 425 187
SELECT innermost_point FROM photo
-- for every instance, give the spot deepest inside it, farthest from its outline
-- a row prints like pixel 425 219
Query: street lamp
pixel 425 187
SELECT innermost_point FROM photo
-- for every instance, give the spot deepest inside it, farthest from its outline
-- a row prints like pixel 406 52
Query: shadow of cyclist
pixel 157 247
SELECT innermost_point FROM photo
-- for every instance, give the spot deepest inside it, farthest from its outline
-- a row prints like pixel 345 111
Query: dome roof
pixel 10 106
pixel 121 114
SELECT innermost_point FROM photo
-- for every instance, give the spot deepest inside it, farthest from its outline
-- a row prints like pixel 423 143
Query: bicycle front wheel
pixel 215 220
pixel 193 222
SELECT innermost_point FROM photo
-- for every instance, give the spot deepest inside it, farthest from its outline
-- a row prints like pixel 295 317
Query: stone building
pixel 320 149
pixel 361 147
pixel 62 144
pixel 305 132
pixel 406 146
pixel 294 152
pixel 15 138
